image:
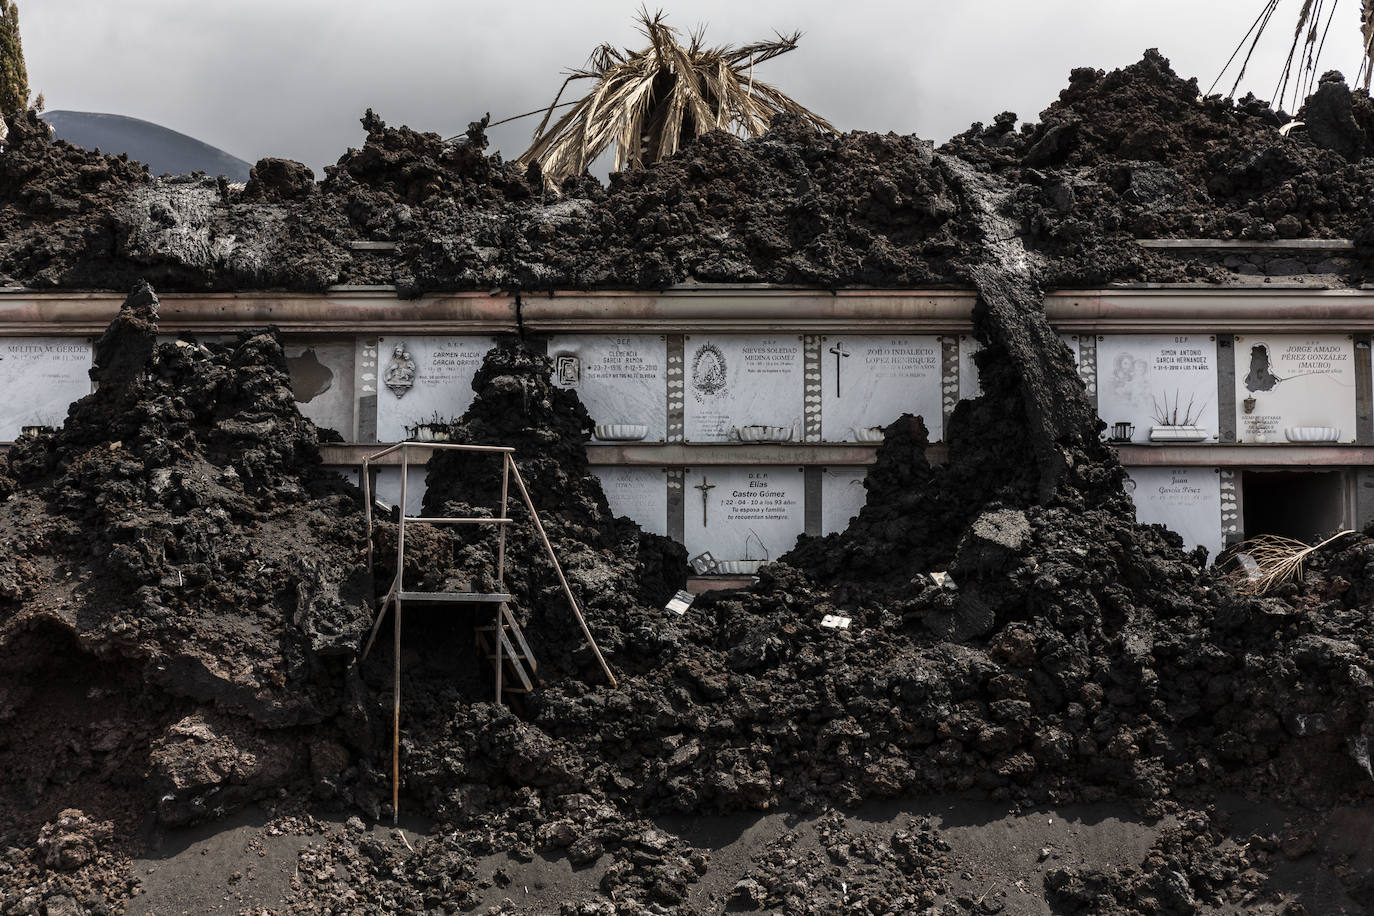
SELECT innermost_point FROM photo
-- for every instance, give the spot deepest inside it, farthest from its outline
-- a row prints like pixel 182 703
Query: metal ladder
pixel 503 642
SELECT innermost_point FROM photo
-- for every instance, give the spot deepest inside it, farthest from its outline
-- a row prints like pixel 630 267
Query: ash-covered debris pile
pixel 1134 153
pixel 620 575
pixel 399 168
pixel 181 583
pixel 1078 655
pixel 1336 579
pixel 56 204
pixel 792 207
pixel 181 586
pixel 1138 152
pixel 848 867
pixel 609 561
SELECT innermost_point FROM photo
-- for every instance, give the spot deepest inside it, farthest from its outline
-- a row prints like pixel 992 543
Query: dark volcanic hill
pixel 165 151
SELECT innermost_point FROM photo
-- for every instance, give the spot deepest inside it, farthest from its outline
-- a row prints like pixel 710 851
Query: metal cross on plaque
pixel 705 489
pixel 840 353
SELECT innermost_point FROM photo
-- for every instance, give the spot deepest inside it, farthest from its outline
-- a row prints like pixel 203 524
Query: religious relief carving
pixel 400 372
pixel 568 370
pixel 840 353
pixel 708 371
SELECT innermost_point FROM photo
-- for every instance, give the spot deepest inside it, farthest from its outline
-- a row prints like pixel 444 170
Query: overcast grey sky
pixel 291 77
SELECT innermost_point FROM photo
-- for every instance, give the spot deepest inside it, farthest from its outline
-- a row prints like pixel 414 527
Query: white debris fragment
pixel 679 603
pixel 1359 749
pixel 835 622
pixel 943 580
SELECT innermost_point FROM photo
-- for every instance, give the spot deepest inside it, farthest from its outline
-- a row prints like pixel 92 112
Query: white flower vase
pixel 1177 434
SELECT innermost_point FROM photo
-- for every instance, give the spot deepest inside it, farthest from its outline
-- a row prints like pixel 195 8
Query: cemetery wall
pixel 734 420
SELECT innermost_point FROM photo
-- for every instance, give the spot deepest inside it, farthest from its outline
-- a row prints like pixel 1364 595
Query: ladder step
pixel 455 597
pixel 459 521
pixel 508 651
pixel 504 615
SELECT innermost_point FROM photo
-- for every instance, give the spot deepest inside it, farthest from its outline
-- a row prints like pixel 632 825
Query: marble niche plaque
pixel 1187 500
pixel 351 473
pixel 1295 387
pixel 969 386
pixel 1158 380
pixel 386 485
pixel 737 513
pixel 322 379
pixel 639 492
pixel 737 380
pixel 40 377
pixel 622 380
pixel 872 380
pixel 419 378
pixel 1071 341
pixel 842 496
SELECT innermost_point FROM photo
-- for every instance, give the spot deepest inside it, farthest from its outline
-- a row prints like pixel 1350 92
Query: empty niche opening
pixel 1304 505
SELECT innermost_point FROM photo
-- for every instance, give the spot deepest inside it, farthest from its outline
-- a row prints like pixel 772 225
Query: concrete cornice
pixel 338 311
pixel 751 309
pixel 1248 244
pixel 839 454
pixel 1229 310
pixel 351 310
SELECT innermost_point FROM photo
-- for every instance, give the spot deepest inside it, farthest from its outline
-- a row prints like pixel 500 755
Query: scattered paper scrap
pixel 835 622
pixel 943 580
pixel 679 603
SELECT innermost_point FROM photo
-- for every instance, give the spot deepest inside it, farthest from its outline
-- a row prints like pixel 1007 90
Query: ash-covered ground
pixel 183 590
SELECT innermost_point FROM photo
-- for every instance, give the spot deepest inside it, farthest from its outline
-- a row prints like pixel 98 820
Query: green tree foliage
pixel 14 77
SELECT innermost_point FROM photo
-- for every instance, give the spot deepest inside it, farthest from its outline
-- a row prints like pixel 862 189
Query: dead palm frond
pixel 1273 560
pixel 1367 34
pixel 649 103
pixel 1300 69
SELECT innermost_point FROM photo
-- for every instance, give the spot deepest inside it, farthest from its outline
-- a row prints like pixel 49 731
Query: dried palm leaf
pixel 1274 561
pixel 647 104
pixel 1300 69
pixel 1367 30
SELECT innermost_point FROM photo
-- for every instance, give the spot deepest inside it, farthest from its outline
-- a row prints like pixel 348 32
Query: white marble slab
pixel 1294 380
pixel 871 380
pixel 440 371
pixel 387 484
pixel 1151 380
pixel 388 487
pixel 40 377
pixel 641 493
pixel 753 513
pixel 735 380
pixel 842 496
pixel 322 379
pixel 621 379
pixel 969 388
pixel 347 472
pixel 1187 500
